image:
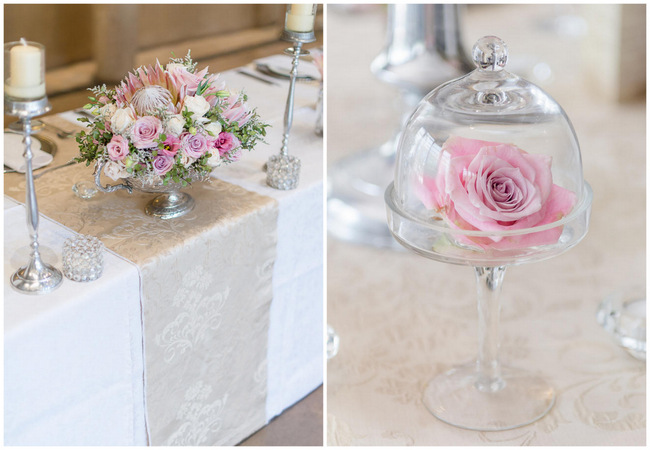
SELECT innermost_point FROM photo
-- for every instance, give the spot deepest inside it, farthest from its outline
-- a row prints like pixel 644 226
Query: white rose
pixel 115 170
pixel 215 159
pixel 175 66
pixel 186 161
pixel 198 106
pixel 107 111
pixel 175 125
pixel 213 128
pixel 122 120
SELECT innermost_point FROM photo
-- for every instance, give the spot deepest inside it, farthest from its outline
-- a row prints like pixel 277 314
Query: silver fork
pixel 59 131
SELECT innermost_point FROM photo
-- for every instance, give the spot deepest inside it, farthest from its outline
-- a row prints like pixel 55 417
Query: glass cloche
pixel 488 171
pixel 488 174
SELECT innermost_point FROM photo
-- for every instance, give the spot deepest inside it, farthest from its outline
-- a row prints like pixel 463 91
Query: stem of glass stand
pixel 489 281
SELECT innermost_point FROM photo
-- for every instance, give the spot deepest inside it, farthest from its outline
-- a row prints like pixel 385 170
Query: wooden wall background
pixel 87 44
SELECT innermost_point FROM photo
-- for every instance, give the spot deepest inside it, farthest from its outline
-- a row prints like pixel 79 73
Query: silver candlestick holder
pixel 35 277
pixel 283 170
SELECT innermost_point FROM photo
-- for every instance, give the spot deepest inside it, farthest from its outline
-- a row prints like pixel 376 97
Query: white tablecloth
pixel 73 358
pixel 294 355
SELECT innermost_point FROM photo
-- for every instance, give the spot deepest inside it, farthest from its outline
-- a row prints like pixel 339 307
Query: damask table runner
pixel 207 291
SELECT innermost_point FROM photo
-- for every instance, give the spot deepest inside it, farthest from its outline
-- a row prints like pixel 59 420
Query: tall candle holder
pixel 35 277
pixel 283 170
pixel 25 98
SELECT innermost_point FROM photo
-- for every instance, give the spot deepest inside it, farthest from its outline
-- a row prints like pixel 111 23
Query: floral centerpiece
pixel 167 125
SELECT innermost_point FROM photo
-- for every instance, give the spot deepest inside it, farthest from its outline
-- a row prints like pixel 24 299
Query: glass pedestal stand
pixel 485 396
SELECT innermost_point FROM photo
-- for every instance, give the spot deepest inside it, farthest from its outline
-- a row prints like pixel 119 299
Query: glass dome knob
pixel 490 53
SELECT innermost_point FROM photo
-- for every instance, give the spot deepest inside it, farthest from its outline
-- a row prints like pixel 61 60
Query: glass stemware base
pixel 355 190
pixel 464 398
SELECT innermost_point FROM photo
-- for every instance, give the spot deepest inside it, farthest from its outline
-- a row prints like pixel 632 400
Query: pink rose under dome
pixel 492 186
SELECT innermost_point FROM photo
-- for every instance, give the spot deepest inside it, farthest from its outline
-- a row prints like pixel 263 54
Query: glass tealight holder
pixel 24 76
pixel 300 18
pixel 83 258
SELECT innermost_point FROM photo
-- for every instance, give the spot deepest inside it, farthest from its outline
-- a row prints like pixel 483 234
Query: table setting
pixel 179 291
pixel 546 345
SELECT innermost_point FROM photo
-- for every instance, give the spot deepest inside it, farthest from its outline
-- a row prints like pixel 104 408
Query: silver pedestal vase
pixel 169 203
pixel 423 50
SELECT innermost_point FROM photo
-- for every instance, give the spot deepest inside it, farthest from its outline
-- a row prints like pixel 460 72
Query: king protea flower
pixel 150 88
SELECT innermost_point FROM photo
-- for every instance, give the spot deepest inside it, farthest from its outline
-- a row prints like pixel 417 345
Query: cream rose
pixel 186 160
pixel 122 120
pixel 175 125
pixel 107 111
pixel 115 170
pixel 198 106
pixel 213 128
pixel 214 160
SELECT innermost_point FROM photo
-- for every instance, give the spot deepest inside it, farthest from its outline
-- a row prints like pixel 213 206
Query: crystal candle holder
pixel 83 258
pixel 283 172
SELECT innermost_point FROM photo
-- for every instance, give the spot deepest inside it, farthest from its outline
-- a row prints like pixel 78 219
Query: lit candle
pixel 25 72
pixel 300 18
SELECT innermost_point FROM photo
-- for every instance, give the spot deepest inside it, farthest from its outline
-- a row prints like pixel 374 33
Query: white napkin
pixel 14 149
pixel 282 63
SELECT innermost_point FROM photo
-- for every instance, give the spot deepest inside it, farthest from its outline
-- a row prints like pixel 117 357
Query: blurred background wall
pixel 91 43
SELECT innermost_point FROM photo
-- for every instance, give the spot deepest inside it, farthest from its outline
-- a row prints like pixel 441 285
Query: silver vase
pixel 423 50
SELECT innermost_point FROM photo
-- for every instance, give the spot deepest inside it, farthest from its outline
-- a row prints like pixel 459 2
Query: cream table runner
pixel 207 292
pixel 403 319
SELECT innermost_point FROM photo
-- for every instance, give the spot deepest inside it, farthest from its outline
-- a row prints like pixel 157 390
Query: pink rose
pixel 194 145
pixel 225 143
pixel 163 164
pixel 171 146
pixel 118 148
pixel 145 131
pixel 491 186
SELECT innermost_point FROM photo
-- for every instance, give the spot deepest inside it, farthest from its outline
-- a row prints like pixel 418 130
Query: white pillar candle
pixel 300 18
pixel 302 9
pixel 25 72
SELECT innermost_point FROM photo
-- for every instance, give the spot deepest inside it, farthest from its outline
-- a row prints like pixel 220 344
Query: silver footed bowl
pixel 170 201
